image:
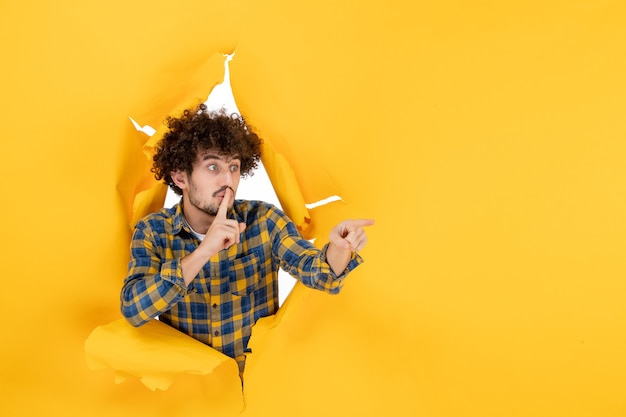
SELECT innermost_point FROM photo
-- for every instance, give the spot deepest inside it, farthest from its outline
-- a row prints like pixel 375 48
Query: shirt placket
pixel 215 303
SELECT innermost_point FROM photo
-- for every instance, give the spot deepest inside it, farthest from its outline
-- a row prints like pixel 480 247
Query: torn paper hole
pixel 253 187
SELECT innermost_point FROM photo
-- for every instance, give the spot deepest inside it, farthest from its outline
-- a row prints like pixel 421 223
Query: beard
pixel 209 208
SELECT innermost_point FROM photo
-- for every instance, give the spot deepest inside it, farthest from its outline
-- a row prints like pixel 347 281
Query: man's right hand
pixel 223 232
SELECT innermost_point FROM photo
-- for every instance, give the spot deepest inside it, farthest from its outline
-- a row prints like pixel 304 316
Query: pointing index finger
pixel 362 222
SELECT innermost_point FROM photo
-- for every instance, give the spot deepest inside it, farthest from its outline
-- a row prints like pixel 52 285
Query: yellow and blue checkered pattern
pixel 234 289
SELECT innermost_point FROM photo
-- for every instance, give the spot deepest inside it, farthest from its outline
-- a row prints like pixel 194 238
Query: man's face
pixel 212 174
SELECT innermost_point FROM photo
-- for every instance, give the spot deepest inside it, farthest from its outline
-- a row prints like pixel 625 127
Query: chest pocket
pixel 243 274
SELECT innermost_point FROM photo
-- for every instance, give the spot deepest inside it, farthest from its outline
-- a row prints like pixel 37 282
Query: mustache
pixel 222 190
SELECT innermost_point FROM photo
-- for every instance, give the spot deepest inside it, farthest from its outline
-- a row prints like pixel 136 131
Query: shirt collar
pixel 178 222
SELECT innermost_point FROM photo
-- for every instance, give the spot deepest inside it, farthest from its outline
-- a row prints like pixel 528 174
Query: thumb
pixel 337 239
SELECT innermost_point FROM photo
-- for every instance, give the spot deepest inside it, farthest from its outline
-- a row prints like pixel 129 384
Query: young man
pixel 209 265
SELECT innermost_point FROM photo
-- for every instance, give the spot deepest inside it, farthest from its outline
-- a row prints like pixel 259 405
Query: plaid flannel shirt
pixel 234 289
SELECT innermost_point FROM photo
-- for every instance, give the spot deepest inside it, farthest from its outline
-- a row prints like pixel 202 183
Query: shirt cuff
pixel 355 261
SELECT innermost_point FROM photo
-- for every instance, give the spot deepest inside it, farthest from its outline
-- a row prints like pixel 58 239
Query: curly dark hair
pixel 199 130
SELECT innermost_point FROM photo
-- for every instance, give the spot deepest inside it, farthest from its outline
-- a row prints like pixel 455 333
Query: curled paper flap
pixel 148 201
pixel 155 353
pixel 286 186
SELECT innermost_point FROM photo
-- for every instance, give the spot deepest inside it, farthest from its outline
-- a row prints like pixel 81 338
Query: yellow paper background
pixel 487 140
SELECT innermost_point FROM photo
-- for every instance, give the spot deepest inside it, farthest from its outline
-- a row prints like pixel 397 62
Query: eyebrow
pixel 221 158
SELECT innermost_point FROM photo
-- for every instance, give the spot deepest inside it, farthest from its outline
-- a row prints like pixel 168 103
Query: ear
pixel 179 178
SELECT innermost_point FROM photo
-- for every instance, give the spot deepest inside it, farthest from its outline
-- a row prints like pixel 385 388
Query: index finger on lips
pixel 223 209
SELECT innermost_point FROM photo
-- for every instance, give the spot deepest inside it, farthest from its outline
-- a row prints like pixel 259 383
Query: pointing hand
pixel 350 235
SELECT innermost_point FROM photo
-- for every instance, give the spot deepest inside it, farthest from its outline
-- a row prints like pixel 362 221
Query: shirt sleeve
pixel 151 286
pixel 302 260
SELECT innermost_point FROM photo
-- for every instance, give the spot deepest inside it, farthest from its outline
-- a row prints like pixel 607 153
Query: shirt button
pixel 216 333
pixel 214 305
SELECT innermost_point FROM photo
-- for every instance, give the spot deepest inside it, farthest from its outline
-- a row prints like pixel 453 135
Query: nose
pixel 228 178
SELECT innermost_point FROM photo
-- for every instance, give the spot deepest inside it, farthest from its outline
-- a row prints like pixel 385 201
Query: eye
pixel 234 168
pixel 212 167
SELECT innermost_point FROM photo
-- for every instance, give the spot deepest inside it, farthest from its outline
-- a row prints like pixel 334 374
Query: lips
pixel 222 192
